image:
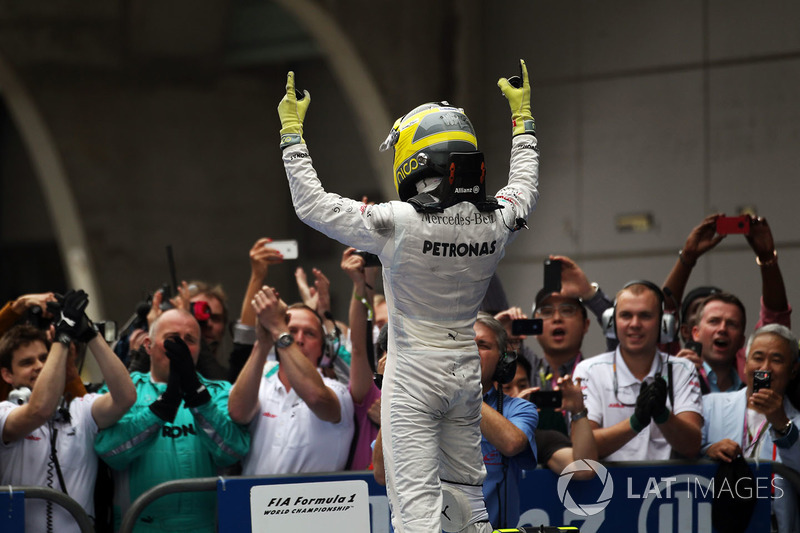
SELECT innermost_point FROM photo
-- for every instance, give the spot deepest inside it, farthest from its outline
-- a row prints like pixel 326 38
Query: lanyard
pixel 749 442
pixel 550 377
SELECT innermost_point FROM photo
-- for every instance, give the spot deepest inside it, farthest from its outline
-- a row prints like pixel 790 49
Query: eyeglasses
pixel 565 310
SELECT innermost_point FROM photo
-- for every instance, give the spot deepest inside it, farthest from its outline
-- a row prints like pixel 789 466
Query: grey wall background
pixel 163 118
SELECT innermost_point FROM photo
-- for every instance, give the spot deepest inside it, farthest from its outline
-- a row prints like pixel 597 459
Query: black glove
pixel 642 414
pixel 166 406
pixel 84 329
pixel 70 321
pixel 658 400
pixel 182 365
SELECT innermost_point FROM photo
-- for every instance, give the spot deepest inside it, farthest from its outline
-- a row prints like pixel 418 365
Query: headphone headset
pixel 506 368
pixel 330 341
pixel 19 396
pixel 668 322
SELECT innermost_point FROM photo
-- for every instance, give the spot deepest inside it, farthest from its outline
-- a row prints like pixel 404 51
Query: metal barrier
pixel 55 496
pixel 640 491
pixel 201 484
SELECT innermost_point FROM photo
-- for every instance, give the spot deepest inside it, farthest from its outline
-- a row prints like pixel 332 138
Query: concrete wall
pixel 678 109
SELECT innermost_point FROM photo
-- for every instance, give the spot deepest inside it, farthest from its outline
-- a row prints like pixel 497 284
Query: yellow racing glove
pixel 517 89
pixel 292 111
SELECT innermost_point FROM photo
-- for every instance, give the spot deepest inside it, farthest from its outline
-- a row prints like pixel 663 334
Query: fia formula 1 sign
pixel 342 506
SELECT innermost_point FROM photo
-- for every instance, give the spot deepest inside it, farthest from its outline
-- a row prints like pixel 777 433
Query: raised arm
pixel 298 369
pixel 773 291
pixel 261 257
pixel 360 308
pixel 502 433
pixel 109 408
pixel 701 239
pixel 44 398
pixel 49 386
pixel 243 399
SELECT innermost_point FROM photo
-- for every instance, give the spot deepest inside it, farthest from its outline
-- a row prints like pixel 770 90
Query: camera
pixel 107 329
pixel 546 399
pixel 200 310
pixel 527 326
pixel 728 225
pixel 762 379
pixel 370 260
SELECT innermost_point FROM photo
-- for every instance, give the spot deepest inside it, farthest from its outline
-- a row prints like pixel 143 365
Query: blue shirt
pixel 502 498
pixel 711 379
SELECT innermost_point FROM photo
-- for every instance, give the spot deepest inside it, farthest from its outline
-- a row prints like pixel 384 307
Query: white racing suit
pixel 436 269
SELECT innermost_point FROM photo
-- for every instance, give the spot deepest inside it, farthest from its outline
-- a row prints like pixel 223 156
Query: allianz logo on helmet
pixel 473 190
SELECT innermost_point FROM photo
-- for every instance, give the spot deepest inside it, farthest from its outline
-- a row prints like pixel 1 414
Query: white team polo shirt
pixel 27 462
pixel 288 438
pixel 607 409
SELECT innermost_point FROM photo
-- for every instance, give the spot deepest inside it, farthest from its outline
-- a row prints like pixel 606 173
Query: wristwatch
pixel 785 430
pixel 580 414
pixel 285 340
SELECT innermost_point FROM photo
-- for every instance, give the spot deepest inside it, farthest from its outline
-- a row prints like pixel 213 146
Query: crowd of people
pixel 303 392
pixel 679 380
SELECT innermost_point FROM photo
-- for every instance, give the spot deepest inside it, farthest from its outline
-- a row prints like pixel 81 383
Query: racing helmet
pixel 434 129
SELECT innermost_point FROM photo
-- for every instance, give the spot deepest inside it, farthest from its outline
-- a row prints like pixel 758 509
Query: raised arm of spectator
pixel 261 256
pixel 70 325
pixel 298 369
pixel 701 239
pixel 574 282
pixel 360 308
pixel 44 398
pixel 109 408
pixel 243 398
pixel 773 291
pixel 244 331
pixel 583 444
pixel 318 296
pixel 13 310
pixel 178 301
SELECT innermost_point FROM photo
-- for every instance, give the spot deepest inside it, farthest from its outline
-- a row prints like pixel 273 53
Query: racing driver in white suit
pixel 437 261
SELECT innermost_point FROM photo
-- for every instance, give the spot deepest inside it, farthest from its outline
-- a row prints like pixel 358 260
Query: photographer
pixel 48 436
pixel 759 421
pixel 774 306
pixel 507 426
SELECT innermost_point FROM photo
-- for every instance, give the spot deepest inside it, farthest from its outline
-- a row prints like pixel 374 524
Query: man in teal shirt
pixel 179 428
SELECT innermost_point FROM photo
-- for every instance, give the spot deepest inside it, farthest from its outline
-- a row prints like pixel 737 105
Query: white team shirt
pixel 288 438
pixel 606 409
pixel 27 462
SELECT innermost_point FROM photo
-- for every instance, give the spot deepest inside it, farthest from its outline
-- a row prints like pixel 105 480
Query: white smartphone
pixel 287 248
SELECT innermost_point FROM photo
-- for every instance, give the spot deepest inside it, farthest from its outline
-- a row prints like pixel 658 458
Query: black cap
pixel 695 294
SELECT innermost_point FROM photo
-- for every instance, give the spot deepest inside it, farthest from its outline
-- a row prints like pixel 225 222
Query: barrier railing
pixel 14 519
pixel 649 497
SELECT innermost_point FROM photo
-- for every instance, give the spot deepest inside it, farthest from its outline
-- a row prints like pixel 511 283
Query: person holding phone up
pixel 759 421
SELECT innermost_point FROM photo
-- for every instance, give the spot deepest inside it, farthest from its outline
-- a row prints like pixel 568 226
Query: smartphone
pixel 761 380
pixel 287 248
pixel 552 275
pixel 370 260
pixel 728 225
pixel 544 399
pixel 695 346
pixel 526 326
